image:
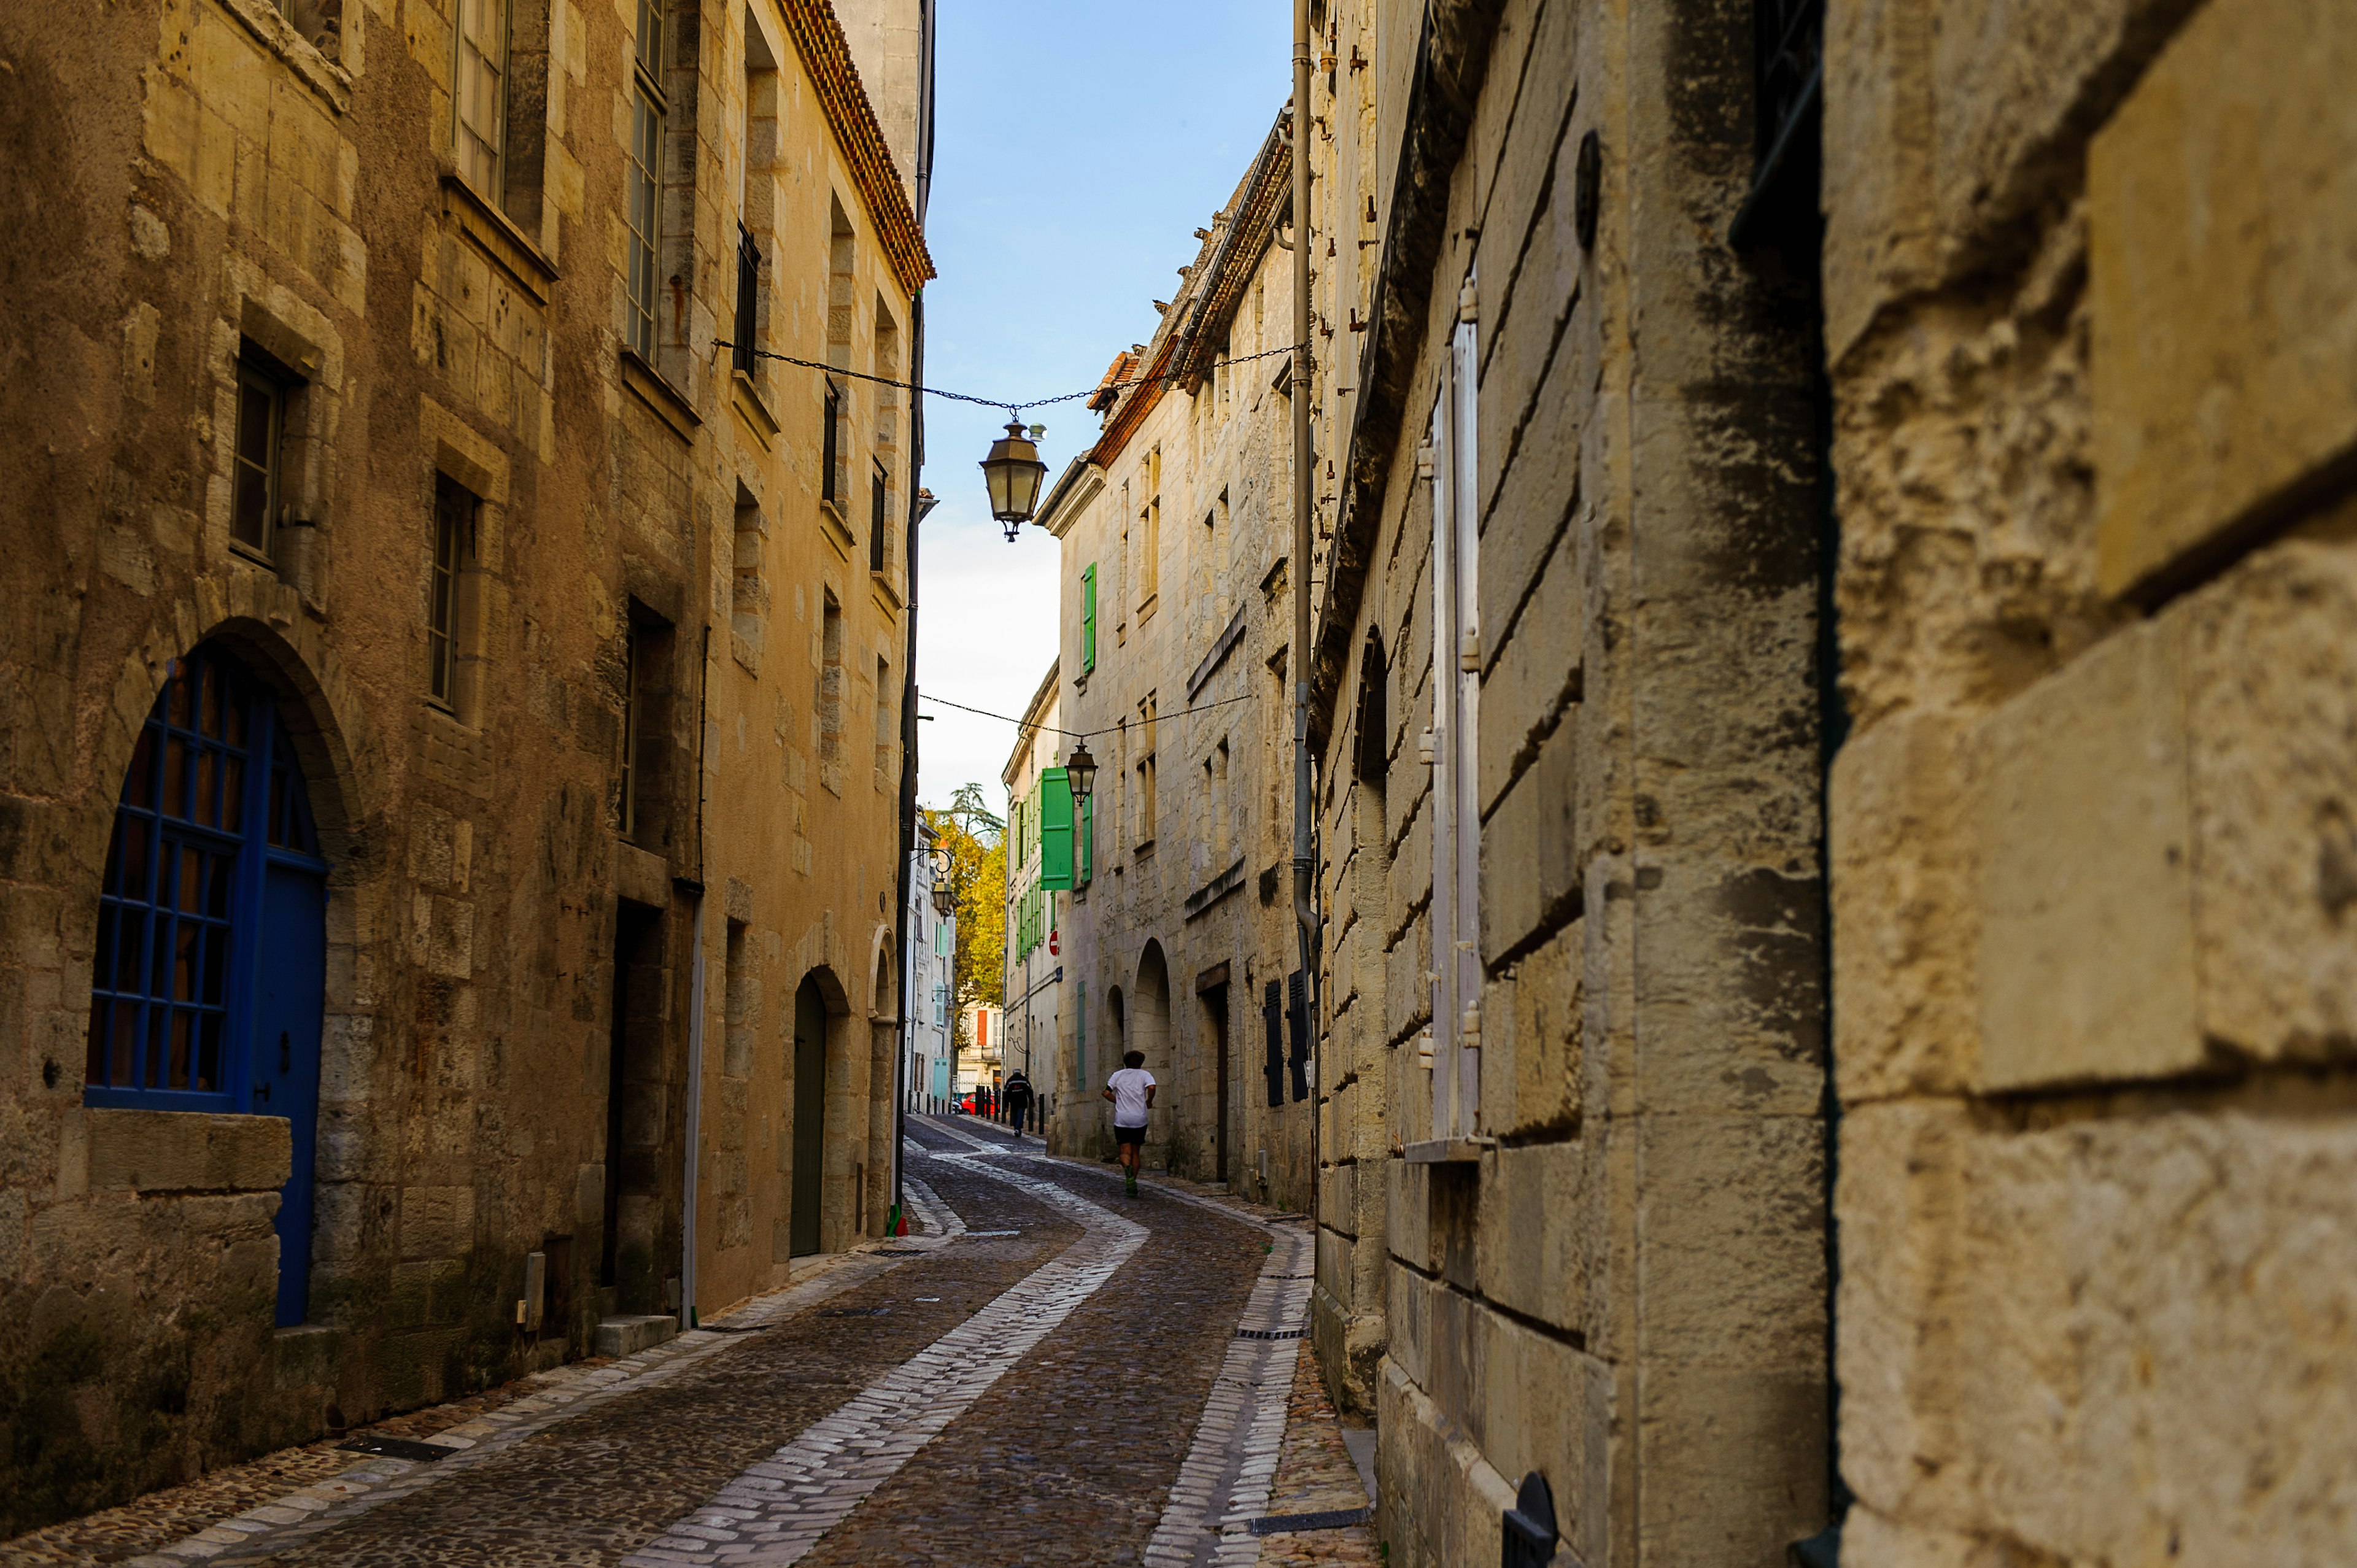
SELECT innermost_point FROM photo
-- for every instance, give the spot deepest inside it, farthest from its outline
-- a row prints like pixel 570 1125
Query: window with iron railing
pixel 830 444
pixel 748 299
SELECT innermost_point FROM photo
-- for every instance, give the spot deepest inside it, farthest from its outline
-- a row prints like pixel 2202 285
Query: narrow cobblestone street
pixel 1091 1379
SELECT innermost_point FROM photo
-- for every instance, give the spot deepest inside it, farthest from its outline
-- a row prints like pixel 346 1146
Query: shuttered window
pixel 1088 618
pixel 1055 830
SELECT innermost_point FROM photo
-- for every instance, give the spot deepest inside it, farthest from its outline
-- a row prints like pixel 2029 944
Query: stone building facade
pixel 1042 849
pixel 1842 516
pixel 1176 528
pixel 1572 1206
pixel 2089 302
pixel 929 986
pixel 450 732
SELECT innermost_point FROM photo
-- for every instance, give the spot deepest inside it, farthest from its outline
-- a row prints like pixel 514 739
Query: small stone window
pixel 831 443
pixel 263 386
pixel 647 817
pixel 879 525
pixel 455 509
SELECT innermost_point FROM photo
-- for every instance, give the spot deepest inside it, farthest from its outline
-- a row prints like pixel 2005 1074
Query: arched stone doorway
pixel 210 970
pixel 1149 1010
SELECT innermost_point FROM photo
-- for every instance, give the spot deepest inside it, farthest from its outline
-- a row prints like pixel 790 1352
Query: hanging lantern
pixel 1081 771
pixel 945 899
pixel 1013 471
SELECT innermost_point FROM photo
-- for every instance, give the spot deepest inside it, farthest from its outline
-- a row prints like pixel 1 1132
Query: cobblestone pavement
pixel 1055 1373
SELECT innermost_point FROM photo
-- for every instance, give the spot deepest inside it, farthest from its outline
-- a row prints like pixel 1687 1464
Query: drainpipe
pixel 1305 911
pixel 694 888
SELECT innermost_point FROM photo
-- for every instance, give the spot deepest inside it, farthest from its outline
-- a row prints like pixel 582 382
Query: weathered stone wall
pixel 2085 269
pixel 1203 916
pixel 1616 1280
pixel 197 175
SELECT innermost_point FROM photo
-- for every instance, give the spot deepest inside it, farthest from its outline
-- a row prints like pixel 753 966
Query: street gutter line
pixel 778 1509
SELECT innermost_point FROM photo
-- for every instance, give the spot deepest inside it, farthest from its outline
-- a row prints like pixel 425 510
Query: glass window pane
pixel 176 777
pixel 177 1076
pixel 129 948
pixel 185 934
pixel 250 506
pixel 208 1053
pixel 221 873
pixel 234 718
pixel 233 794
pixel 253 413
pixel 123 1043
pixel 208 776
pixel 135 832
pixel 215 966
pixel 208 704
pixel 177 700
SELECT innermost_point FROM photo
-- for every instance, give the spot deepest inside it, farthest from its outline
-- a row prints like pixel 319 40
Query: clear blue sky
pixel 1079 145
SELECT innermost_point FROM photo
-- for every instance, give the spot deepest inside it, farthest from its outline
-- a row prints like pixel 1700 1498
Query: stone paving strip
pixel 1318 1508
pixel 290 1522
pixel 776 1511
pixel 1224 1484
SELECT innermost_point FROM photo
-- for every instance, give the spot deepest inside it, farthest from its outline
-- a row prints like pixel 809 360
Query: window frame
pixel 649 121
pixel 265 818
pixel 831 445
pixel 256 376
pixel 455 509
pixel 492 187
pixel 631 705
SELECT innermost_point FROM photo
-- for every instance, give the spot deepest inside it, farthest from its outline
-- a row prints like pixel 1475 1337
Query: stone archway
pixel 1149 1010
pixel 330 745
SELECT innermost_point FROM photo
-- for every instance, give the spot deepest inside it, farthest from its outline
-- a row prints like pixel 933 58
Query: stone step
pixel 629 1336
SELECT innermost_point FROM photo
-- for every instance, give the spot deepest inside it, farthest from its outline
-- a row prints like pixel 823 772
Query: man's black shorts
pixel 1129 1135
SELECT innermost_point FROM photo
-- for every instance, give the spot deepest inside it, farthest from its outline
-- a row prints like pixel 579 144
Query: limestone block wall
pixel 1618 1279
pixel 213 183
pixel 2086 267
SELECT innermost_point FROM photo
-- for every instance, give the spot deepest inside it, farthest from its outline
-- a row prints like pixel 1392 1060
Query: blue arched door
pixel 209 980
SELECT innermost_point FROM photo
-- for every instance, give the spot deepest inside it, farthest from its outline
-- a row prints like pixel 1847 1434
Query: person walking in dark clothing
pixel 1018 1101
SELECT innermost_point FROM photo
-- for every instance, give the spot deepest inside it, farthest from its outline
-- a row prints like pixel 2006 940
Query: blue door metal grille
pixel 172 980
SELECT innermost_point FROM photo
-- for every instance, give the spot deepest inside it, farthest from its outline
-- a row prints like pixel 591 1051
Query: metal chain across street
pixel 1077 734
pixel 1013 408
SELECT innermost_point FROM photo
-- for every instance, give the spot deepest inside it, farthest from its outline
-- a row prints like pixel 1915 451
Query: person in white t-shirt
pixel 1131 1090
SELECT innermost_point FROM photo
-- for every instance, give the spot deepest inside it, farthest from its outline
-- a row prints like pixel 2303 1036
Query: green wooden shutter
pixel 1088 618
pixel 1088 839
pixel 1054 829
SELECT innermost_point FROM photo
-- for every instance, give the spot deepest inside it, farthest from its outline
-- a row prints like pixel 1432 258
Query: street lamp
pixel 945 899
pixel 1013 471
pixel 1081 771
